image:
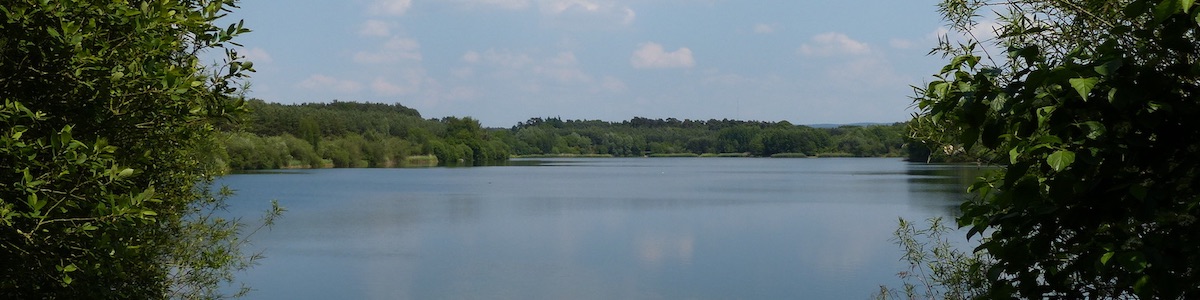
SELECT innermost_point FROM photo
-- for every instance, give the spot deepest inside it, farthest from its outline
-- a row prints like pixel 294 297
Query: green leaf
pixel 1141 283
pixel 1044 113
pixel 1165 9
pixel 1106 257
pixel 1094 129
pixel 1109 67
pixel 1084 85
pixel 70 268
pixel 1186 5
pixel 34 203
pixel 1060 159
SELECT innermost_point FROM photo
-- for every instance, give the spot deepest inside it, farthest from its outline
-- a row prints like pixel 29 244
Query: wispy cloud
pixel 833 43
pixel 563 68
pixel 608 9
pixel 652 56
pixel 319 82
pixel 396 49
pixel 257 55
pixel 410 82
pixel 375 28
pixel 505 4
pixel 763 28
pixel 900 43
pixel 390 7
pixel 504 58
pixel 613 84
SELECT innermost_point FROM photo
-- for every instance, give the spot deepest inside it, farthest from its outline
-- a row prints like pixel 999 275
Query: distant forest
pixel 352 134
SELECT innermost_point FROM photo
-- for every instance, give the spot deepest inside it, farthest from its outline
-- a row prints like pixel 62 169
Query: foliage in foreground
pixel 106 119
pixel 937 268
pixel 1095 113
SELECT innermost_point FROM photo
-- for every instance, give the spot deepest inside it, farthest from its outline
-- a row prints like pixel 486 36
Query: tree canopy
pixel 107 114
pixel 1093 109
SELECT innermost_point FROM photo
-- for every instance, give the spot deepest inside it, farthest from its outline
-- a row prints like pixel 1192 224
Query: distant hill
pixel 862 124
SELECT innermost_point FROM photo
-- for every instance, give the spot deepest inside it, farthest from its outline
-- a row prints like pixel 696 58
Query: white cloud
pixel 630 15
pixel 871 71
pixel 409 82
pixel 763 28
pixel 506 58
pixel 986 30
pixel 900 43
pixel 375 28
pixel 471 57
pixel 533 73
pixel 833 43
pixel 327 83
pixel 652 56
pixel 391 7
pixel 396 49
pixel 938 33
pixel 560 6
pixel 563 68
pixel 381 86
pixel 608 10
pixel 505 4
pixel 613 84
pixel 257 55
pixel 460 93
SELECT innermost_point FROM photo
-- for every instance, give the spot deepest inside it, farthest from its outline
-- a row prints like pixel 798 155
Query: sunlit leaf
pixel 1084 85
pixel 1061 159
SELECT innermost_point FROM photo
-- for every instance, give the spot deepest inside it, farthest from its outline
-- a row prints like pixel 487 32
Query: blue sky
pixel 505 61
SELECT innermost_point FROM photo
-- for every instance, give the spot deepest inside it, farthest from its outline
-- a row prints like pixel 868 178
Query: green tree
pixel 1095 114
pixel 737 139
pixel 310 132
pixel 106 116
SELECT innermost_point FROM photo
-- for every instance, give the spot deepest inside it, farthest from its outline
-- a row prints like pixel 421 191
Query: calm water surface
pixel 638 228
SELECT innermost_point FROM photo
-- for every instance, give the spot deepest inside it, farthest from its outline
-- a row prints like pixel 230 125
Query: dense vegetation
pixel 105 127
pixel 350 134
pixel 1095 114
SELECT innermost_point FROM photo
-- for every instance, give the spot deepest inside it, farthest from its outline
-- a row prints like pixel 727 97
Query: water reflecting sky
pixel 637 228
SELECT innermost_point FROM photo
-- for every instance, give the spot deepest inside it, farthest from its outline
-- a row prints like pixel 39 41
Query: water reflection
pixel 943 185
pixel 697 228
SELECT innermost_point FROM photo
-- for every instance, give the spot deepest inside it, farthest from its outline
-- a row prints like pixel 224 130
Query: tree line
pixel 649 137
pixel 352 134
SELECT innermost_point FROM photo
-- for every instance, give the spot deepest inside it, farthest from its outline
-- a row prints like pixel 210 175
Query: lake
pixel 603 228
